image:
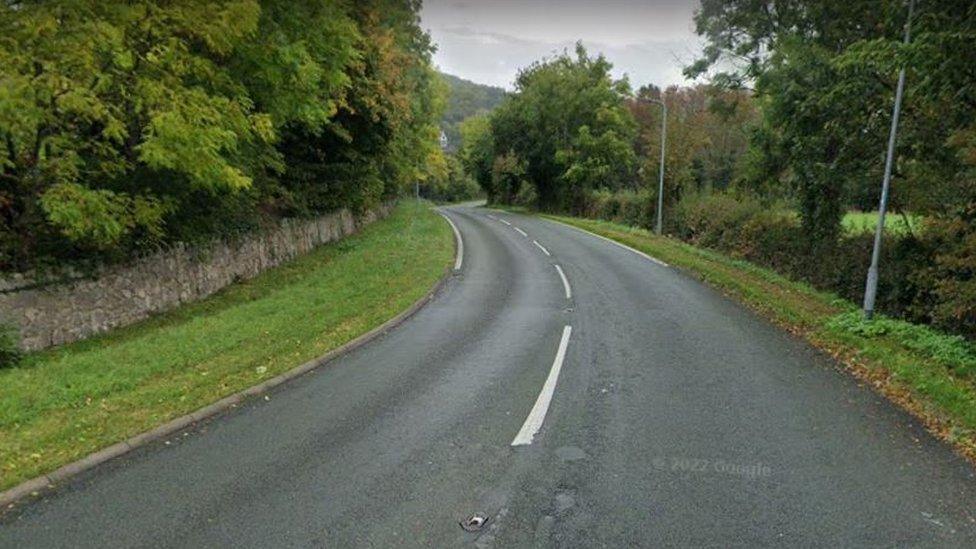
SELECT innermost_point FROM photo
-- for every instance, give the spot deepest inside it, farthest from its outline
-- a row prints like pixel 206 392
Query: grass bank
pixel 61 404
pixel 895 223
pixel 931 374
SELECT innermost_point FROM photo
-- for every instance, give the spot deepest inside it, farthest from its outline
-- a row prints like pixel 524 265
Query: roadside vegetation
pixel 773 150
pixel 126 127
pixel 897 224
pixel 59 405
pixel 451 182
pixel 930 373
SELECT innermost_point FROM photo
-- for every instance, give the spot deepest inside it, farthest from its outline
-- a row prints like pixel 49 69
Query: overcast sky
pixel 487 41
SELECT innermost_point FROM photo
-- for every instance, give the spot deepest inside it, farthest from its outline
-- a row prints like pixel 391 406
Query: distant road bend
pixel 573 392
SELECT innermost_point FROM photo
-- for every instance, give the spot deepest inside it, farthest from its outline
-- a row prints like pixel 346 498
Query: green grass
pixel 929 373
pixel 64 403
pixel 866 222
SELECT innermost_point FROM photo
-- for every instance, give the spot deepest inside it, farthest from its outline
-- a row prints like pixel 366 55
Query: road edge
pixel 935 421
pixel 9 497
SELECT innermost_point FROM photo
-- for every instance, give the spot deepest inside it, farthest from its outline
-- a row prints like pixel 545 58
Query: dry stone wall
pixel 48 314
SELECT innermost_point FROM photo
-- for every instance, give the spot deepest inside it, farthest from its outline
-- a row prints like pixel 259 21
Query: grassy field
pixel 62 404
pixel 866 222
pixel 933 375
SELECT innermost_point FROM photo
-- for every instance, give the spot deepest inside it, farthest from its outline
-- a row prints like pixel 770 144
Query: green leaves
pixel 98 218
pixel 109 109
pixel 197 136
pixel 569 124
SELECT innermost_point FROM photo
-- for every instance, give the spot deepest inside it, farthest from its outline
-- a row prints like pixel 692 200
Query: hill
pixel 467 99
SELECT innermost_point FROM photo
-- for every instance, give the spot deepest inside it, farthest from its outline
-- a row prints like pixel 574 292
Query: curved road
pixel 677 418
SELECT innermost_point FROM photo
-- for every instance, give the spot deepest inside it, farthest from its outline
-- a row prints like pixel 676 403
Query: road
pixel 677 418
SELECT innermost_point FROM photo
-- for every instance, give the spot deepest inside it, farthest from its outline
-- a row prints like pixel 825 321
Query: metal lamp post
pixel 871 286
pixel 660 185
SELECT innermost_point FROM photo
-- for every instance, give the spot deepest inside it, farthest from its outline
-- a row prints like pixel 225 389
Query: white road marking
pixel 505 222
pixel 460 243
pixel 520 231
pixel 541 247
pixel 614 242
pixel 489 216
pixel 562 275
pixel 538 414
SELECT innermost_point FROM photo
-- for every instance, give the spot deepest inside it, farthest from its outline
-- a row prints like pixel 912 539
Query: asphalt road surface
pixel 611 402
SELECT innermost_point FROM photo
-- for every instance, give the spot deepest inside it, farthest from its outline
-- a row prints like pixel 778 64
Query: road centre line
pixel 505 222
pixel 562 275
pixel 538 413
pixel 541 247
pixel 520 231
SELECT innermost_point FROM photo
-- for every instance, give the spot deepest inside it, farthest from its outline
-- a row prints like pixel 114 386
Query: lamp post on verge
pixel 660 185
pixel 871 286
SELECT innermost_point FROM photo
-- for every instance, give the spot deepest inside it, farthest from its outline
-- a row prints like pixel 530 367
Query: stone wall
pixel 49 313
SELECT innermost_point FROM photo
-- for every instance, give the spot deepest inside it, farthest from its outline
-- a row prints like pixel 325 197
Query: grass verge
pixel 929 373
pixel 855 223
pixel 62 404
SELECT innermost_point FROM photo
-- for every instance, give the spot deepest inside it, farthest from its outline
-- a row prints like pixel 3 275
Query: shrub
pixel 10 352
pixel 625 206
pixel 526 195
pixel 948 272
pixel 713 220
pixel 453 186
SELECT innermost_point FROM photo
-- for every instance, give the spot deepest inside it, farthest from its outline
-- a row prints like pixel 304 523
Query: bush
pixel 526 195
pixel 713 220
pixel 948 273
pixel 625 206
pixel 10 352
pixel 454 186
pixel 929 279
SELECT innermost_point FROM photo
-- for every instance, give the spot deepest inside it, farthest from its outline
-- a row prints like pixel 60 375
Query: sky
pixel 487 41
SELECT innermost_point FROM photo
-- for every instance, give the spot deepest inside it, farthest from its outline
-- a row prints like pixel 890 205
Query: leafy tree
pixel 453 185
pixel 568 122
pixel 95 94
pixel 825 73
pixel 126 125
pixel 507 179
pixel 477 152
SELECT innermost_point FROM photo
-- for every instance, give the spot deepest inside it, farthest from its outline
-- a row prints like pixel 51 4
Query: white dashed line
pixel 541 247
pixel 538 414
pixel 521 232
pixel 562 275
pixel 505 222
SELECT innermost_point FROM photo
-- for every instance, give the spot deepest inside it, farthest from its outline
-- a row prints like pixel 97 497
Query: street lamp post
pixel 660 184
pixel 871 286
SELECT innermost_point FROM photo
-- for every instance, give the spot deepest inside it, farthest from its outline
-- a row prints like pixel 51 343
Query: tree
pixel 825 74
pixel 543 123
pixel 126 125
pixel 477 153
pixel 94 94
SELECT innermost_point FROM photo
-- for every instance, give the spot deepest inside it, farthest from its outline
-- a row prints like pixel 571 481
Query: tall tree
pixel 568 122
pixel 127 124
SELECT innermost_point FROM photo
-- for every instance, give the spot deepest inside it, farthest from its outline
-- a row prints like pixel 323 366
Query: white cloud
pixel 488 41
